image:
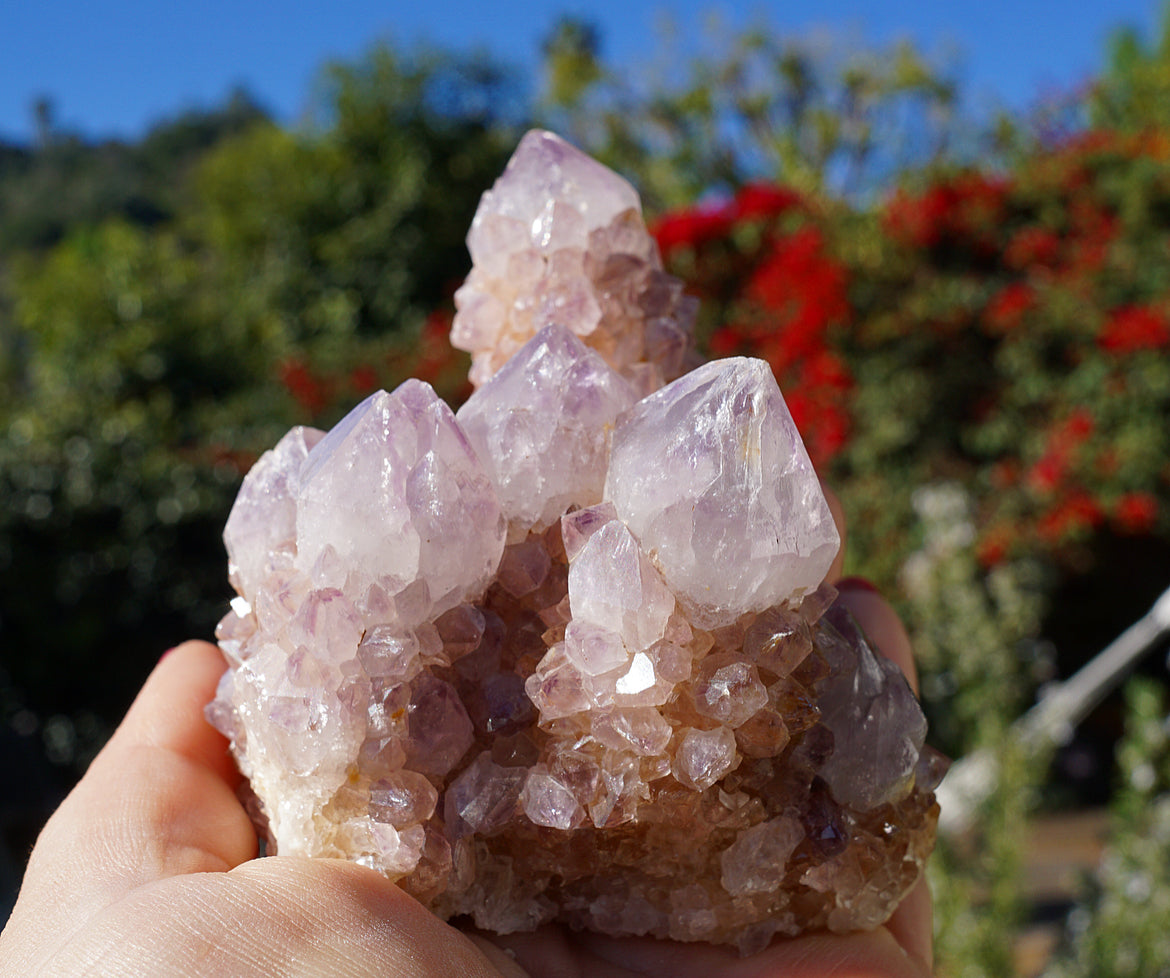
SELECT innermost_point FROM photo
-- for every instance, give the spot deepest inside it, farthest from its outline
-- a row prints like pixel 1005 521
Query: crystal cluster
pixel 567 655
pixel 559 240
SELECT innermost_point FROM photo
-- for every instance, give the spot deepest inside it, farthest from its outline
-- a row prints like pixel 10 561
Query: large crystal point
pixel 731 510
pixel 385 502
pixel 569 655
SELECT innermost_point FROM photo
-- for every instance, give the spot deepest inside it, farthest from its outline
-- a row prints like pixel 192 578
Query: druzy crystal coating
pixel 568 655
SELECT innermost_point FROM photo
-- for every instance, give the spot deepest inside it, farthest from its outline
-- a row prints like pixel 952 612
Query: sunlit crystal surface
pixel 541 426
pixel 560 240
pixel 731 507
pixel 567 655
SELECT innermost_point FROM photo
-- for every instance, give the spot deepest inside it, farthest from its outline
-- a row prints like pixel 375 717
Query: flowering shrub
pixel 773 291
pixel 1009 330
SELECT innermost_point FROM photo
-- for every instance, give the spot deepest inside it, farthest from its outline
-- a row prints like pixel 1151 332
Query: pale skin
pixel 149 868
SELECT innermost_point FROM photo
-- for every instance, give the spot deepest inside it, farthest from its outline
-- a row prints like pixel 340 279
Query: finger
pixel 158 801
pixel 911 922
pixel 277 918
pixel 557 952
pixel 168 713
pixel 838 512
pixel 880 623
pixel 911 927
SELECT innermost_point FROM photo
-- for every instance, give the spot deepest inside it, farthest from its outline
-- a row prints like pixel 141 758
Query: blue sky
pixel 113 68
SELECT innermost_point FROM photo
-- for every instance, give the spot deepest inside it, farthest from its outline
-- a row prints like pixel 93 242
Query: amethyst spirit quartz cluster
pixel 568 654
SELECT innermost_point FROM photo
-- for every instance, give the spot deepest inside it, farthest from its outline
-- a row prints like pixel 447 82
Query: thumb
pixel 158 801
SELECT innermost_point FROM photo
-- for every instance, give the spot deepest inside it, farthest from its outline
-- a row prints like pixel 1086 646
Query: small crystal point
pixel 878 728
pixel 756 861
pixel 541 427
pixel 263 519
pixel 613 585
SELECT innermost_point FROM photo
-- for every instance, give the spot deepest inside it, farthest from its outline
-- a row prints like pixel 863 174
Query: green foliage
pixel 66 181
pixel 1133 93
pixel 333 246
pixel 751 105
pixel 571 62
pixel 1120 931
pixel 104 467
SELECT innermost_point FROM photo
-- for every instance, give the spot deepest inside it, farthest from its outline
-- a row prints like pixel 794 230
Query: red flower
pixel 1052 467
pixel 727 340
pixel 1048 472
pixel 823 425
pixel 1007 307
pixel 1133 328
pixel 803 292
pixel 994 545
pixel 1093 230
pixel 691 228
pixel 363 379
pixel 1077 512
pixel 966 207
pixel 1032 246
pixel 309 391
pixel 1077 427
pixel 825 371
pixel 437 326
pixel 764 200
pixel 917 221
pixel 1136 512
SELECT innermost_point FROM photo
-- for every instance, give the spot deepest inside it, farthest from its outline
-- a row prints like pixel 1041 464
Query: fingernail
pixel 856 584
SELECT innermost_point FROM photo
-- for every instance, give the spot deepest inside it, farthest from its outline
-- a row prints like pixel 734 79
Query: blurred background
pixel 947 231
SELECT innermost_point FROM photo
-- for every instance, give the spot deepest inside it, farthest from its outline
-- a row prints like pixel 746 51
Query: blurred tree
pixel 572 61
pixel 750 105
pixel 65 181
pixel 1133 92
pixel 333 246
pixel 99 466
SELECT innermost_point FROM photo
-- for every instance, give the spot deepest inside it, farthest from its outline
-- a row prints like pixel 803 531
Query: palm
pixel 556 952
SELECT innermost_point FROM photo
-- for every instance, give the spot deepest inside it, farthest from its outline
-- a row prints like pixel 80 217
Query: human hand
pixel 149 868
